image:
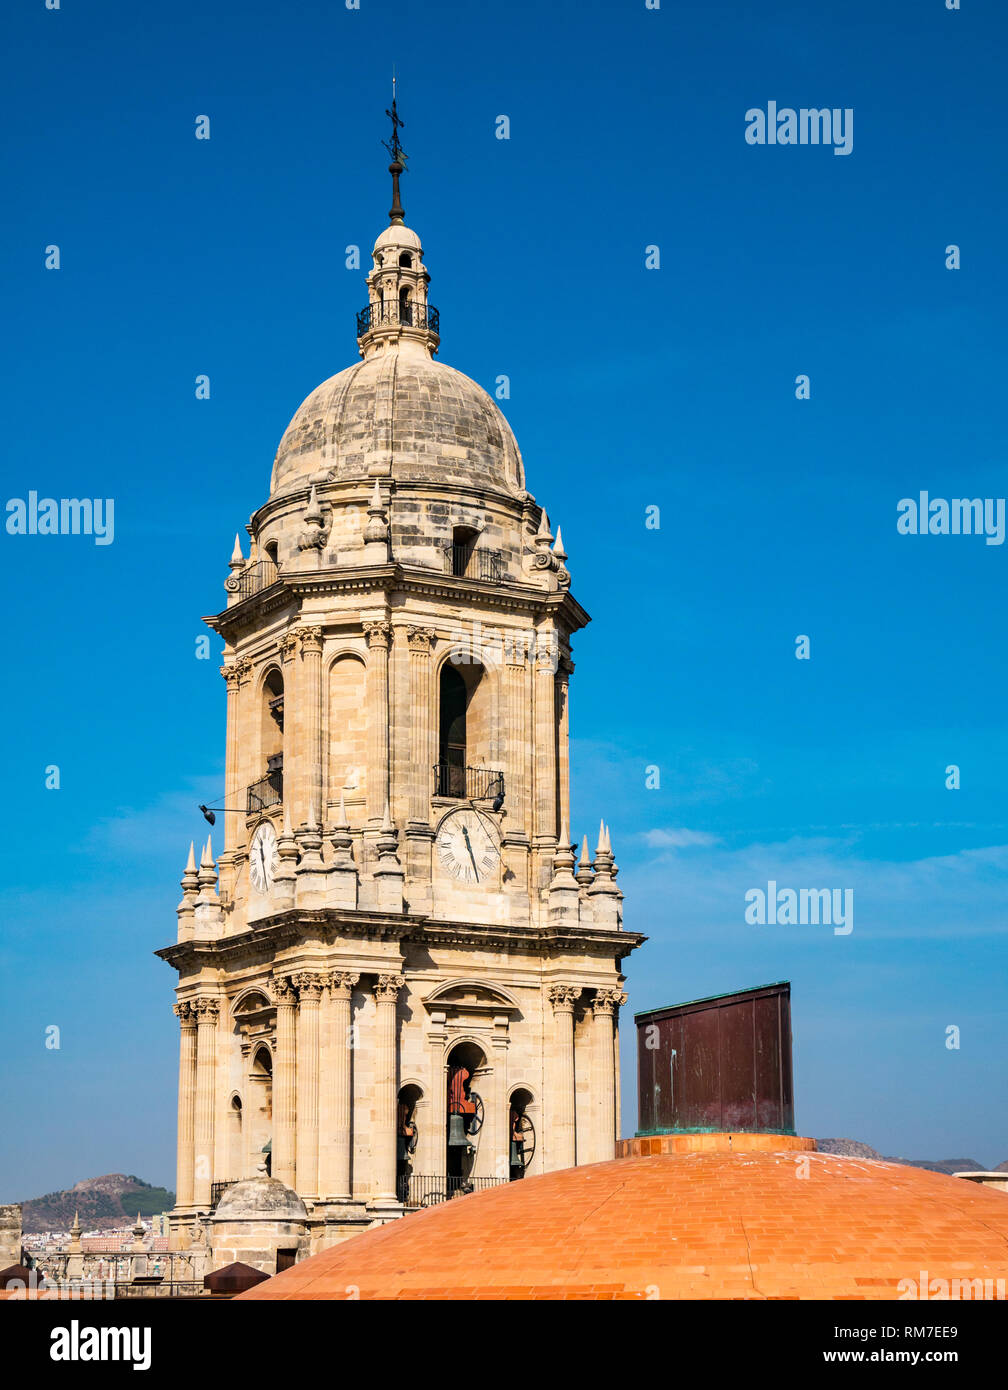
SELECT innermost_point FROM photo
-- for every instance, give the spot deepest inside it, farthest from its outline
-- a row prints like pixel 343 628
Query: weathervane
pixel 399 158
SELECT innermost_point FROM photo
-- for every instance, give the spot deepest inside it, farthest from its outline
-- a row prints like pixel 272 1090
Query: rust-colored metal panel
pixel 718 1064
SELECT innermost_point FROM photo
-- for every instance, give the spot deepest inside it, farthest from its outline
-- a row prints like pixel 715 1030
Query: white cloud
pixel 679 839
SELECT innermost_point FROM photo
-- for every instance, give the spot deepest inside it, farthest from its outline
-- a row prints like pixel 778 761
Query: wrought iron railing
pixel 217 1189
pixel 267 792
pixel 254 578
pixel 420 1190
pixel 474 563
pixel 394 314
pixel 467 783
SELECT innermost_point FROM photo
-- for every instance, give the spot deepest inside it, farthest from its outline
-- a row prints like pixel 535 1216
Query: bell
pixel 456 1133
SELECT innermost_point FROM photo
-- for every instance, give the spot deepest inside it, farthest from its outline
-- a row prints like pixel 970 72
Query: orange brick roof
pixel 710 1222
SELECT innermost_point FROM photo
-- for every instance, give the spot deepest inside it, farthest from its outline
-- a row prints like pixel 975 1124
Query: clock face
pixel 263 858
pixel 467 847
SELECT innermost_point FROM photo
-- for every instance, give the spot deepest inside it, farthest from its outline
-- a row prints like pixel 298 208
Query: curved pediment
pixel 471 996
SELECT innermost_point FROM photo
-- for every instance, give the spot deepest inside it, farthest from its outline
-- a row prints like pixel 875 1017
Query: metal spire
pixel 399 158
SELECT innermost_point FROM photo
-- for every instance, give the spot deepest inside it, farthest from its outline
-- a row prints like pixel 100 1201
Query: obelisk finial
pixel 399 158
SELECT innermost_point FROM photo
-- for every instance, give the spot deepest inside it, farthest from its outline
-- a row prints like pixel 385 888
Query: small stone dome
pixel 398 236
pixel 431 422
pixel 260 1199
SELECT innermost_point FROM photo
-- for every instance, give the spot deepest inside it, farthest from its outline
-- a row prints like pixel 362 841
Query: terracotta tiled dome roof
pixel 435 423
pixel 705 1223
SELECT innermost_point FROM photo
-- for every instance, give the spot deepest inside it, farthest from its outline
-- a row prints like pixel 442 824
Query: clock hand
pixel 465 833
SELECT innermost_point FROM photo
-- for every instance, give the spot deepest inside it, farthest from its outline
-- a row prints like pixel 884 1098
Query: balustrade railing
pixel 254 578
pixel 267 792
pixel 417 1190
pixel 392 314
pixel 467 783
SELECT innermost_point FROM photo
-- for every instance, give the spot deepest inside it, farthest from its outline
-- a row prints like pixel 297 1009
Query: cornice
pixel 396 578
pixel 292 927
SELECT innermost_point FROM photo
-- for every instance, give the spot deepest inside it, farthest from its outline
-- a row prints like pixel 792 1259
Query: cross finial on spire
pixel 399 158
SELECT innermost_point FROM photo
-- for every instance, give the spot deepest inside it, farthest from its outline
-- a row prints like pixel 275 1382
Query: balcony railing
pixel 467 783
pixel 419 1190
pixel 217 1189
pixel 267 792
pixel 392 314
pixel 256 577
pixel 474 564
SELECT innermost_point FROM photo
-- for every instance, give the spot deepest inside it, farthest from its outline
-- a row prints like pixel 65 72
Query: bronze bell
pixel 457 1138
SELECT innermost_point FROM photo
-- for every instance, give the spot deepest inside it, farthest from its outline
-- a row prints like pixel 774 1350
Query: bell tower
pixel 397 982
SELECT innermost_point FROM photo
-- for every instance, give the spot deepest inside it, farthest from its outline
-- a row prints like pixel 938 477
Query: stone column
pixel 545 761
pixel 207 1011
pixel 433 1155
pixel 186 1105
pixel 306 1162
pixel 284 1072
pixel 563 736
pixel 604 1011
pixel 562 998
pixel 383 1146
pixel 516 716
pixel 379 640
pixel 310 715
pixel 334 1148
pixel 421 762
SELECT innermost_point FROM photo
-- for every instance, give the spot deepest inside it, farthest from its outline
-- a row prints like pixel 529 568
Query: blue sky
pixel 630 387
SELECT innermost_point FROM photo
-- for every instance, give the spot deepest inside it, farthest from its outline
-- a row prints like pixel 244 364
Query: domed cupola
pixel 398 413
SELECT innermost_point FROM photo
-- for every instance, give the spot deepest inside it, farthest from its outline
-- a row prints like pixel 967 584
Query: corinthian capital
pixel 420 639
pixel 378 634
pixel 311 640
pixel 283 988
pixel 388 986
pixel 562 997
pixel 309 985
pixel 206 1008
pixel 607 1001
pixel 185 1014
pixel 341 983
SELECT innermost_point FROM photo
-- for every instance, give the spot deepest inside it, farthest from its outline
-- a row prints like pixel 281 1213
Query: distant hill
pixel 853 1148
pixel 102 1202
pixel 848 1148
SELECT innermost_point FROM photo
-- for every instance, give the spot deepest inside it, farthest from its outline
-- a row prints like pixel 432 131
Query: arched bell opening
pixel 407 1138
pixel 464 1119
pixel 268 791
pixel 465 731
pixel 521 1133
pixel 235 1135
pixel 260 1111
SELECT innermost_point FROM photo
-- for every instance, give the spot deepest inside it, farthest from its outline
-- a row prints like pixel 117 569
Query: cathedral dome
pixel 701 1216
pixel 422 420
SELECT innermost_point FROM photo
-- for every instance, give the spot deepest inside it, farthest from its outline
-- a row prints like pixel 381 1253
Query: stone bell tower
pixel 396 984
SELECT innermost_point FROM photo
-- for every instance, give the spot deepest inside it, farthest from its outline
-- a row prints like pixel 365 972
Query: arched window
pixel 452 734
pixel 405 314
pixel 464 1119
pixel 406 260
pixel 268 791
pixel 463 544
